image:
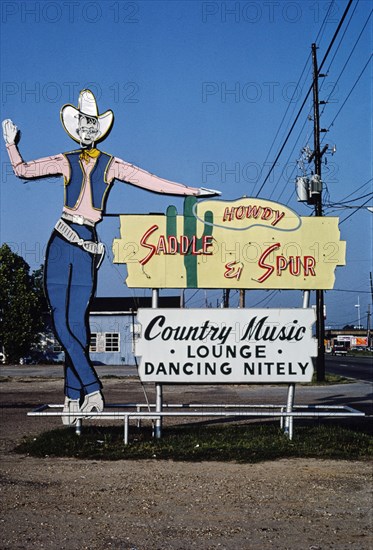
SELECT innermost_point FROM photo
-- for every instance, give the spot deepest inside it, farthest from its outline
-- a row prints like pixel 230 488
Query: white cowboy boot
pixel 70 407
pixel 93 402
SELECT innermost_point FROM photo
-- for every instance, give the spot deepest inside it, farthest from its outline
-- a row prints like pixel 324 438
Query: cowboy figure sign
pixel 74 252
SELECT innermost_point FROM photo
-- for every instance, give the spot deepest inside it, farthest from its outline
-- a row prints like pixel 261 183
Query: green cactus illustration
pixel 190 230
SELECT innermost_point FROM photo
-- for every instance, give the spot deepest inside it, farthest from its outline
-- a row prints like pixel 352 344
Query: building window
pixel 93 342
pixel 102 342
pixel 112 341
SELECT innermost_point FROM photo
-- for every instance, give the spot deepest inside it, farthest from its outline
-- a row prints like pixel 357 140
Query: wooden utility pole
pixel 226 297
pixel 368 325
pixel 317 155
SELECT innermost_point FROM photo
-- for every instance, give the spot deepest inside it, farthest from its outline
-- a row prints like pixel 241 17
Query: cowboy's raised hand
pixel 10 131
pixel 204 192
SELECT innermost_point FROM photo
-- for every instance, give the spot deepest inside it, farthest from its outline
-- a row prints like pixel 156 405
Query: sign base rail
pixel 239 411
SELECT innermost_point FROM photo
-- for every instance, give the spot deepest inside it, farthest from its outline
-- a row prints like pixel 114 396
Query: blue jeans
pixel 70 284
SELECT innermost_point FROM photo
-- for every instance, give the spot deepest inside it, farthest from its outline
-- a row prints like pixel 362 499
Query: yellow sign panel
pixel 244 244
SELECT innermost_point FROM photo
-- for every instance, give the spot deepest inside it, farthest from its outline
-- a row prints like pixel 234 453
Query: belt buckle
pixel 77 218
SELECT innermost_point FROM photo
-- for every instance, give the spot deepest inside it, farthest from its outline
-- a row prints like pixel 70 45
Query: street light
pixel 358 311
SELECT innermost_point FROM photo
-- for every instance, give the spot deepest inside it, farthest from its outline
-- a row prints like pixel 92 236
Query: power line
pixel 323 25
pixel 349 57
pixel 352 213
pixel 332 206
pixel 342 37
pixel 190 297
pixel 335 35
pixel 270 297
pixel 305 99
pixel 335 84
pixel 348 290
pixel 345 203
pixel 289 157
pixel 350 92
pixel 279 128
pixel 285 142
pixel 338 325
pixel 358 189
pixel 322 28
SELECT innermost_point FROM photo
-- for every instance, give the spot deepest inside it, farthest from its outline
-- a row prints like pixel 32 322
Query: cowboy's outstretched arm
pixel 48 166
pixel 129 173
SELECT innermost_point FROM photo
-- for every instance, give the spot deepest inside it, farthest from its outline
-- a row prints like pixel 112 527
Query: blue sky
pixel 203 93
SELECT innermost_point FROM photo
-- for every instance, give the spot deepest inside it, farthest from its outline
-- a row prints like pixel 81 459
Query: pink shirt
pixel 118 169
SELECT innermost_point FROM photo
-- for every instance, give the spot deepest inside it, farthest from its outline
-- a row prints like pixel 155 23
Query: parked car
pixel 42 358
pixel 339 349
pixel 33 358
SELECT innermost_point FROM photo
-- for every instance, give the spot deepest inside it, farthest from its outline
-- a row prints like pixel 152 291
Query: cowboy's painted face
pixel 88 130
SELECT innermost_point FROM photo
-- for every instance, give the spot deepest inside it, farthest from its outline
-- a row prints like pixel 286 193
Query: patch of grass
pixel 360 353
pixel 247 443
pixel 330 379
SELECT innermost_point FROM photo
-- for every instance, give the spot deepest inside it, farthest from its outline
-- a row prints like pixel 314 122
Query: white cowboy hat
pixel 87 106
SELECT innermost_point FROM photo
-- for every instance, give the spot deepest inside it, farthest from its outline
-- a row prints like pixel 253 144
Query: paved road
pixel 358 395
pixel 56 371
pixel 359 368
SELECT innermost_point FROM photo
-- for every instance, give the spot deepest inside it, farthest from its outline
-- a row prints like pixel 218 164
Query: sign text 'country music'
pixel 206 346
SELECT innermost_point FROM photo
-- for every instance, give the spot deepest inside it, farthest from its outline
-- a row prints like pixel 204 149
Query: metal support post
pixel 289 420
pixel 78 427
pixel 158 408
pixel 158 387
pixel 306 299
pixel 125 435
pixel 289 409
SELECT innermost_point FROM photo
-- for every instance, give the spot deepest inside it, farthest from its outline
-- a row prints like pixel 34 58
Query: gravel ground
pixel 147 505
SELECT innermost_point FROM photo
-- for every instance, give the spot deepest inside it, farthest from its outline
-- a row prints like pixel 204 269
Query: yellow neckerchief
pixel 86 154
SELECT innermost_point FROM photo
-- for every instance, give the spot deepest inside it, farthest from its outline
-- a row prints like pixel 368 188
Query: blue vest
pixel 99 185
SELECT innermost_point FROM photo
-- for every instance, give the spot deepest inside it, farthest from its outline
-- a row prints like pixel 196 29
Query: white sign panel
pixel 228 346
